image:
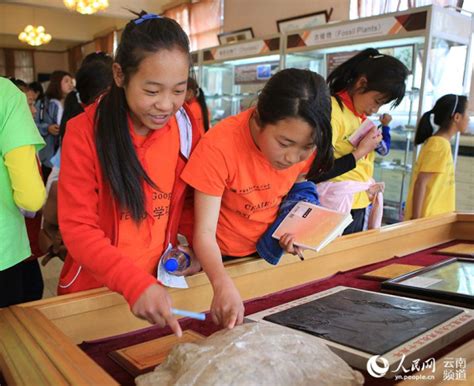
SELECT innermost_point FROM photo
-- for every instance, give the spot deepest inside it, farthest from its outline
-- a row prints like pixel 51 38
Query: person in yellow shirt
pixel 359 87
pixel 432 188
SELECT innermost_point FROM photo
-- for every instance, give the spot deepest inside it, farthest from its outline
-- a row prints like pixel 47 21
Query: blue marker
pixel 189 314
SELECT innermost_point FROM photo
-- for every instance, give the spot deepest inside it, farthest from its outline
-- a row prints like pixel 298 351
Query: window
pixel 24 66
pixel 365 8
pixel 201 20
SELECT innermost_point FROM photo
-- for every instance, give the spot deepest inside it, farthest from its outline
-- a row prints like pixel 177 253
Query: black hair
pixel 54 90
pixel 99 56
pixel 302 94
pixel 19 83
pixel 92 79
pixel 118 159
pixel 443 114
pixel 37 87
pixel 384 74
pixel 201 98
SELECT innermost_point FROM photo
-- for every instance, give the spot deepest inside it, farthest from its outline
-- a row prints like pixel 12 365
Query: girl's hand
pixel 227 308
pixel 368 143
pixel 287 243
pixel 374 189
pixel 53 129
pixel 154 305
pixel 194 267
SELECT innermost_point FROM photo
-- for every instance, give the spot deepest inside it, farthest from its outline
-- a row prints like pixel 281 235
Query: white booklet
pixel 313 226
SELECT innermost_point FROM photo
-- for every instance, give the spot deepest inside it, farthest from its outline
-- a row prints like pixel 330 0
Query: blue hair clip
pixel 146 17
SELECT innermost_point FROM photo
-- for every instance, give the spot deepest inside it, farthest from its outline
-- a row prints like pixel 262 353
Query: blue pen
pixel 189 314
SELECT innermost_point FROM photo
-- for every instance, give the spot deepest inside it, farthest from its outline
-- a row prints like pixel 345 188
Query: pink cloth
pixel 339 196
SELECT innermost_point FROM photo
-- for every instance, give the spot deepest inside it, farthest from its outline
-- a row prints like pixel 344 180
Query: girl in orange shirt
pixel 244 166
pixel 120 197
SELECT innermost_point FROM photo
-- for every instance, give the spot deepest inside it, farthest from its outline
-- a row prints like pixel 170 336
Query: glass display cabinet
pixel 232 75
pixel 430 41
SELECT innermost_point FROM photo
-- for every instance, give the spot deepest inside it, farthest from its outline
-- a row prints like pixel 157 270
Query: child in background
pixel 245 165
pixel 30 94
pixel 432 188
pixel 21 187
pixel 120 197
pixel 196 100
pixel 383 148
pixel 92 79
pixel 37 89
pixel 359 87
pixel 49 114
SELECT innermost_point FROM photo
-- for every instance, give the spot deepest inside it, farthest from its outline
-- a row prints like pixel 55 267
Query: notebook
pixel 313 226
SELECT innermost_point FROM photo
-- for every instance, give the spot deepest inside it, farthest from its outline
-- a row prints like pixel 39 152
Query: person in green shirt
pixel 21 189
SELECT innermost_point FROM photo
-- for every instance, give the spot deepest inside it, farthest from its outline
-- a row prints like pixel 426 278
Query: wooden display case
pixel 38 339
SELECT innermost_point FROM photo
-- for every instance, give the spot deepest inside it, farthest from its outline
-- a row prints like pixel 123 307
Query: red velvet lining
pixel 98 350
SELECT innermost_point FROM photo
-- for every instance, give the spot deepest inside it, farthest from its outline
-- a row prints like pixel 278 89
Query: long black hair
pixel 92 79
pixel 201 98
pixel 303 94
pixel 441 115
pixel 121 168
pixel 384 74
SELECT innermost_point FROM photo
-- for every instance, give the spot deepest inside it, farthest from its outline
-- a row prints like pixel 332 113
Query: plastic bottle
pixel 176 261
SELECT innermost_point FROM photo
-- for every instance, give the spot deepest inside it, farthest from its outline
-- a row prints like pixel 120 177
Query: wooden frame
pixel 434 339
pixel 38 339
pixel 308 20
pixel 235 36
pixel 398 287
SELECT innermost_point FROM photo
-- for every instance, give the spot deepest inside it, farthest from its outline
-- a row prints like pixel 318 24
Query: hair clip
pixel 377 56
pixel 146 17
pixel 455 106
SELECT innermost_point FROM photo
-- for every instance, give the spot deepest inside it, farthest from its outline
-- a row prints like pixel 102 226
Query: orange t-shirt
pixel 158 153
pixel 227 163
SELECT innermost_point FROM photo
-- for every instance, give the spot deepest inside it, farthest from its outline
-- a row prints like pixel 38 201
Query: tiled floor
pixel 50 276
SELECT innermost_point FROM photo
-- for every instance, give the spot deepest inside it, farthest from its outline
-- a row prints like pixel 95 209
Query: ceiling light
pixel 86 7
pixel 34 36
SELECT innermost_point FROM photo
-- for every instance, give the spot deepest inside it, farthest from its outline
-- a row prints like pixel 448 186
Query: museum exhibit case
pixel 430 41
pixel 231 75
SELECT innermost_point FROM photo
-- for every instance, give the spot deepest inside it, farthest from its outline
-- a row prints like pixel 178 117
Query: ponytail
pixel 384 74
pixel 440 117
pixel 117 155
pixel 425 128
pixel 201 98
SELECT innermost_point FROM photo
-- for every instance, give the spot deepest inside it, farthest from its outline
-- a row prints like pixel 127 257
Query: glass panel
pixel 394 168
pixel 231 87
pixel 446 56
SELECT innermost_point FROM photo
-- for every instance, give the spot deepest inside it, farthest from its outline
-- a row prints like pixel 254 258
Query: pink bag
pixel 339 196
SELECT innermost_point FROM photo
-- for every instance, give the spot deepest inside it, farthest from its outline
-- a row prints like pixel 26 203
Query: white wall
pixel 262 15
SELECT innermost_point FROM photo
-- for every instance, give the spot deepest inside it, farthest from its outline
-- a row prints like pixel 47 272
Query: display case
pixel 232 75
pixel 430 41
